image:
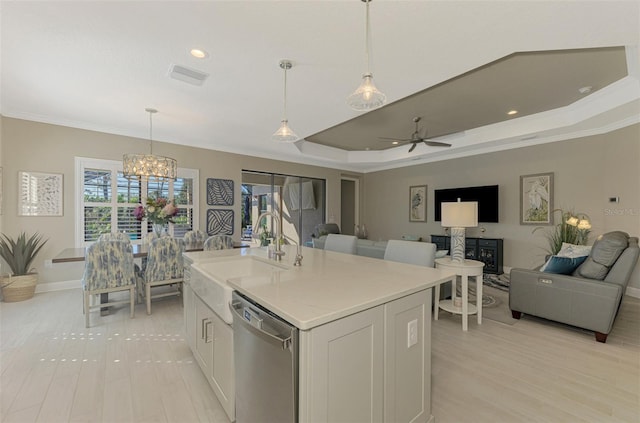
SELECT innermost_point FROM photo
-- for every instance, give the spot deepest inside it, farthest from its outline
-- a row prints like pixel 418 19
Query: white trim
pixel 58 286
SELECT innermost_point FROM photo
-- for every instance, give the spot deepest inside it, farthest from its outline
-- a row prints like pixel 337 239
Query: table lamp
pixel 458 216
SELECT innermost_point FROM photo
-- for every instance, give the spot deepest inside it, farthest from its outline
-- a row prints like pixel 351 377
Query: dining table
pixel 69 255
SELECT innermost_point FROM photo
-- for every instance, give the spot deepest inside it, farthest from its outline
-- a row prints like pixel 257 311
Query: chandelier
pixel 284 133
pixel 367 96
pixel 147 166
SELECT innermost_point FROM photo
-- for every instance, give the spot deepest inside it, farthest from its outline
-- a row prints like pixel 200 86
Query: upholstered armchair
pixel 218 242
pixel 164 267
pixel 108 267
pixel 194 237
pixel 341 243
pixel 589 296
pixel 114 236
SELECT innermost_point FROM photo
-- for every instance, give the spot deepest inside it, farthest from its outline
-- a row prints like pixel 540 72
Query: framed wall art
pixel 219 222
pixel 40 194
pixel 536 199
pixel 418 203
pixel 219 192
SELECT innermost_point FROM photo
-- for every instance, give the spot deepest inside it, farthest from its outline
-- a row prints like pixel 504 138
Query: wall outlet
pixel 412 333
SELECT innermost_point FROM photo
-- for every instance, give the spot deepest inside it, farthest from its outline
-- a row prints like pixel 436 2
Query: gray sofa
pixel 364 247
pixel 589 297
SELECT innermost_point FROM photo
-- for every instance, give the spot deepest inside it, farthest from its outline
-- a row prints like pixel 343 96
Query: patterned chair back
pixel 218 242
pixel 118 236
pixel 194 237
pixel 164 260
pixel 108 264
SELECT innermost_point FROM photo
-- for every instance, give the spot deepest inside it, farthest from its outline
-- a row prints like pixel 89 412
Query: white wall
pixel 587 172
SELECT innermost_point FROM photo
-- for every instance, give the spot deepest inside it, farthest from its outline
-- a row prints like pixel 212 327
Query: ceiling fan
pixel 416 138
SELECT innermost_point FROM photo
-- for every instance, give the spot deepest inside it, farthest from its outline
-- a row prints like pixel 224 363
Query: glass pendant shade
pixel 367 96
pixel 146 166
pixel 284 133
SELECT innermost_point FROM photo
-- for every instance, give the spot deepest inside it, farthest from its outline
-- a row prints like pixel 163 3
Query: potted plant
pixel 19 254
pixel 574 228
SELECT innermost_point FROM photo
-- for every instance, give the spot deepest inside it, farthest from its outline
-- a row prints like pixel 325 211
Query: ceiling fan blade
pixel 436 144
pixel 394 139
pixel 413 147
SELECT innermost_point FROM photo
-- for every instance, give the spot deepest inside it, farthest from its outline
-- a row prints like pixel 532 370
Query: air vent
pixel 190 76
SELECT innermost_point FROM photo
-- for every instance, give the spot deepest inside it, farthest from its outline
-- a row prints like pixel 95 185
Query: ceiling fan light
pixel 284 133
pixel 367 96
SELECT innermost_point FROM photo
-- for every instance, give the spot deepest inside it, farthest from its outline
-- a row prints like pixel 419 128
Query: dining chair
pixel 114 236
pixel 108 268
pixel 411 252
pixel 341 243
pixel 164 267
pixel 218 242
pixel 194 237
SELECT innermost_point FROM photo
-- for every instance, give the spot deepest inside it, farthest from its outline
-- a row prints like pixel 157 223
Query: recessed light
pixel 512 112
pixel 199 54
pixel 585 90
pixel 395 143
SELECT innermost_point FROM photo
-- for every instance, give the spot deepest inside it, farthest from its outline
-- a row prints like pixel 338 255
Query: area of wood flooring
pixel 52 369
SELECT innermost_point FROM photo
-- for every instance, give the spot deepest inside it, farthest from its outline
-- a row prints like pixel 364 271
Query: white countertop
pixel 328 285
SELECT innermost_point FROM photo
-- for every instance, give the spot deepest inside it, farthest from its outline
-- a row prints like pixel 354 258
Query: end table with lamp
pixel 458 216
pixel 464 270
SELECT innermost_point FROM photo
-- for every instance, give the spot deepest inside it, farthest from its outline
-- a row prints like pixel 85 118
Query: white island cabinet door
pixel 223 379
pixel 341 369
pixel 408 359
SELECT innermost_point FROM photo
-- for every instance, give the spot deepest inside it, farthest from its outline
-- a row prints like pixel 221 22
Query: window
pixel 106 200
pixel 297 200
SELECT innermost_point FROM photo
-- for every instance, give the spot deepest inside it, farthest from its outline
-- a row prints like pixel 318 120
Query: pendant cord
pixel 151 133
pixel 285 92
pixel 366 36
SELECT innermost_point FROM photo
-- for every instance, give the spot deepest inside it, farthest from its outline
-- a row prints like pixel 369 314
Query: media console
pixel 486 250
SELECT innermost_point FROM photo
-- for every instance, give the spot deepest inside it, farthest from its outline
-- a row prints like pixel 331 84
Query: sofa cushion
pixel 604 254
pixel 572 250
pixel 562 265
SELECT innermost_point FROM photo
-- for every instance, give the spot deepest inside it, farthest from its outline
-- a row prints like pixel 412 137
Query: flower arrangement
pixel 158 211
pixel 574 228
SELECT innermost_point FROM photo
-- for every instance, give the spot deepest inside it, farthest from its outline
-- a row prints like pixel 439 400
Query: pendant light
pixel 367 96
pixel 284 133
pixel 146 166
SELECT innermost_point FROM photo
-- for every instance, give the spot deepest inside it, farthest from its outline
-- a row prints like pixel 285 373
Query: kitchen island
pixel 364 327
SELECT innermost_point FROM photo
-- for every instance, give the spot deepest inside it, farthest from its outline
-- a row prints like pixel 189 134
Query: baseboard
pixel 58 286
pixel 633 292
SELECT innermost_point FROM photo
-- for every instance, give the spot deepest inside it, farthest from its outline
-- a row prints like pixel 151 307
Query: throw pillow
pixel 562 265
pixel 572 250
pixel 441 253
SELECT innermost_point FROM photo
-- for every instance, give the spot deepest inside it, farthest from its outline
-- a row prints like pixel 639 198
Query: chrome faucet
pixel 278 253
pixel 297 261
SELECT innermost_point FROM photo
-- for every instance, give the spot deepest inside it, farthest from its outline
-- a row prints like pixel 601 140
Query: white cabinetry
pixel 362 369
pixel 211 341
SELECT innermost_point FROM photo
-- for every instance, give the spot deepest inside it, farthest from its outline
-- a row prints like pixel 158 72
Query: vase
pixel 158 229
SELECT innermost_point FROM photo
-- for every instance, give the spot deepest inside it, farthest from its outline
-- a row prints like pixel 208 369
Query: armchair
pixel 589 297
pixel 164 267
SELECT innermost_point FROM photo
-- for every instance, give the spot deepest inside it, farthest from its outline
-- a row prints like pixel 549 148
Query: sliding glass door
pixel 297 200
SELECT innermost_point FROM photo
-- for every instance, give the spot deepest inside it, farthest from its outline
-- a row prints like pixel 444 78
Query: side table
pixel 464 270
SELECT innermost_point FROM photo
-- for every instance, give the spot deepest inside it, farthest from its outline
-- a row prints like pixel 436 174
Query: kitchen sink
pixel 209 279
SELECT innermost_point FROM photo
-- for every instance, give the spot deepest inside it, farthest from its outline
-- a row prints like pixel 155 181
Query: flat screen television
pixel 486 196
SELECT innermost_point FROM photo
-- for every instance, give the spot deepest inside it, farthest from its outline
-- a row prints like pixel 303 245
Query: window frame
pixel 115 166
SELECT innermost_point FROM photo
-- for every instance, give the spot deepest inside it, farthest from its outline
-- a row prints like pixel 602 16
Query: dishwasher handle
pixel 285 343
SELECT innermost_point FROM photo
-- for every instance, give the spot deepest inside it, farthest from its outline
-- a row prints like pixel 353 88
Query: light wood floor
pixel 121 370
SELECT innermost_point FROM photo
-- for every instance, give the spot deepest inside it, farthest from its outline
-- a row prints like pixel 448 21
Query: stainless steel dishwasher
pixel 266 364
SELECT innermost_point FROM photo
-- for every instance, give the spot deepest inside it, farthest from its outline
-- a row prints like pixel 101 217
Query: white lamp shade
pixel 460 214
